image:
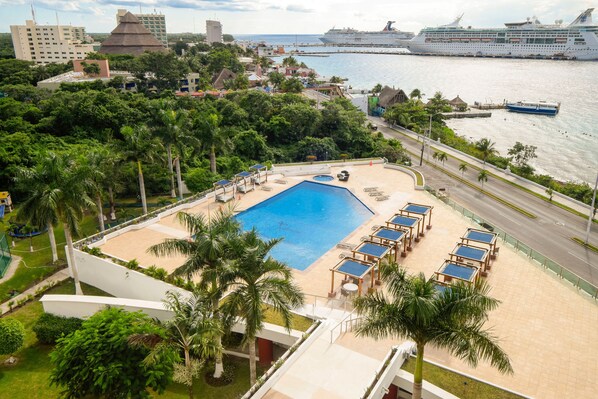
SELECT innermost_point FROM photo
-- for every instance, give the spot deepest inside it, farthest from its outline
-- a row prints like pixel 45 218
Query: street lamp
pixel 590 217
pixel 428 134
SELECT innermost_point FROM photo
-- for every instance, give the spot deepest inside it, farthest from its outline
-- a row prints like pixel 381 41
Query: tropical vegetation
pixel 452 319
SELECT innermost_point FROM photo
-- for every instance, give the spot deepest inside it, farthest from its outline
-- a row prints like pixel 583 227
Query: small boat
pixel 534 107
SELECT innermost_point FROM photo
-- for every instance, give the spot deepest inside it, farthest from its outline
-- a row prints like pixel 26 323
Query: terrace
pixel 547 328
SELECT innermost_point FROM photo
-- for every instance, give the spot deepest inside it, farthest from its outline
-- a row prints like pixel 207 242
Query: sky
pixel 292 16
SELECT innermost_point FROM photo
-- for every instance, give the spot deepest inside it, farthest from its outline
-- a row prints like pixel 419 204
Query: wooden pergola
pixel 419 210
pixel 402 222
pixel 453 270
pixel 394 237
pixel 353 268
pixel 470 254
pixel 372 252
pixel 481 237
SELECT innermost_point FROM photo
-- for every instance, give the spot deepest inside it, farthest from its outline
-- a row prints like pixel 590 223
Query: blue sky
pixel 292 16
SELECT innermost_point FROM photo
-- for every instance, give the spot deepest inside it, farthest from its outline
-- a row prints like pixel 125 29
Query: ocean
pixel 567 144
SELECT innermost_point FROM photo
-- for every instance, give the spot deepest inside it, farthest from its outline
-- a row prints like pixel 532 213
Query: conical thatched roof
pixel 457 101
pixel 130 37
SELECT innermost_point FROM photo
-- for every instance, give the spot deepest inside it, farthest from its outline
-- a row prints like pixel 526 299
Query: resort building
pixel 213 32
pixel 45 44
pixel 130 37
pixel 155 23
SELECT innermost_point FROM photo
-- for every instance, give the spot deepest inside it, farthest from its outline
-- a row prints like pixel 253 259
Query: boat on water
pixel 527 39
pixel 534 107
pixel 388 36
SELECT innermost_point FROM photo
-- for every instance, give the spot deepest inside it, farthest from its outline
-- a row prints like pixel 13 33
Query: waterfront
pixel 567 144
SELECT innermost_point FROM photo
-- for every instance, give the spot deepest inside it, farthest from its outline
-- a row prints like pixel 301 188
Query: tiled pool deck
pixel 549 331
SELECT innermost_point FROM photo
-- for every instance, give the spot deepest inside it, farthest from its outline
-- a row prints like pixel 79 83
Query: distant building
pixel 213 32
pixel 219 78
pixel 44 44
pixel 130 37
pixel 389 97
pixel 155 23
pixel 458 104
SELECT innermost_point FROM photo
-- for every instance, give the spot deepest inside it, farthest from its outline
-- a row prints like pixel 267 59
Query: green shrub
pixel 49 327
pixel 132 264
pixel 12 335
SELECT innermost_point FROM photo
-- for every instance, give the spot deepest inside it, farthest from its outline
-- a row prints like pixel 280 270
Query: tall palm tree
pixel 207 130
pixel 260 281
pixel 462 168
pixel 442 156
pixel 99 172
pixel 483 177
pixel 451 320
pixel 207 254
pixel 486 148
pixel 416 93
pixel 192 331
pixel 61 195
pixel 140 146
pixel 172 128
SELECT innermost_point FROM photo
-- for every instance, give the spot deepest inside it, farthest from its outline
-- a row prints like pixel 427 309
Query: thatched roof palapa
pixel 130 37
pixel 389 97
pixel 455 102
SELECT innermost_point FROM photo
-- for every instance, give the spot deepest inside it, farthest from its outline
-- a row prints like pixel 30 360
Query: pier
pixel 478 105
pixel 466 114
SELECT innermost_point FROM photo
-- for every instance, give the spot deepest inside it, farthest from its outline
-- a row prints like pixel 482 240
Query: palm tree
pixel 260 281
pixel 140 146
pixel 416 93
pixel 27 230
pixel 192 330
pixel 462 168
pixel 442 156
pixel 59 196
pixel 483 177
pixel 206 253
pixel 415 310
pixel 207 130
pixel 486 148
pixel 435 155
pixel 99 173
pixel 172 128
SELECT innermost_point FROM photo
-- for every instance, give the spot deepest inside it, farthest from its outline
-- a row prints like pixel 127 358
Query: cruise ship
pixel 528 39
pixel 388 36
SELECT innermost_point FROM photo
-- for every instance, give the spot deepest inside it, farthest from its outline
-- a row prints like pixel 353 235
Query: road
pixel 549 233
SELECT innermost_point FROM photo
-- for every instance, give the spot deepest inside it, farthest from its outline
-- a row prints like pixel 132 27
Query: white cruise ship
pixel 388 36
pixel 528 39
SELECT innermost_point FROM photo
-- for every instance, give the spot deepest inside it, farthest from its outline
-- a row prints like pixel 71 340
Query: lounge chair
pixel 225 197
pixel 245 188
pixel 375 193
pixel 266 188
pixel 344 255
pixel 345 245
pixel 369 189
pixel 382 198
pixel 281 181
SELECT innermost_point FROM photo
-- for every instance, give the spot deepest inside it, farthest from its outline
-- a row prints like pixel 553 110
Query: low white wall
pixel 404 380
pixel 410 173
pixel 272 332
pixel 319 167
pixel 391 369
pixel 84 306
pixel 119 281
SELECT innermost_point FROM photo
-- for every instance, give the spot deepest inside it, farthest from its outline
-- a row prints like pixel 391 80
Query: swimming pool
pixel 323 178
pixel 312 218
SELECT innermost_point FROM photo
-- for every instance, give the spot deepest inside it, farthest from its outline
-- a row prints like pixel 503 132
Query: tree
pixel 260 281
pixel 452 319
pixel 442 156
pixel 206 128
pixel 192 330
pixel 173 129
pixel 483 177
pixel 28 229
pixel 486 148
pixel 92 69
pixel 207 253
pixel 60 196
pixel 276 78
pixel 550 193
pixel 335 79
pixel 377 89
pixel 462 168
pixel 416 93
pixel 290 61
pixel 160 69
pixel 140 146
pixel 97 360
pixel 12 336
pixel 99 172
pixel 522 154
pixel 292 85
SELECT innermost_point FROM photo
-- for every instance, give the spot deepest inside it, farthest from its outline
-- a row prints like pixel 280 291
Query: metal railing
pixel 540 260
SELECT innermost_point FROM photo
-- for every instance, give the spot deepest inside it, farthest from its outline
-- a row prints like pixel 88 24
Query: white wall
pixel 119 281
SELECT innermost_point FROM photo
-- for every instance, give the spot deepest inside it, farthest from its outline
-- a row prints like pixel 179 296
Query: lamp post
pixel 426 134
pixel 591 215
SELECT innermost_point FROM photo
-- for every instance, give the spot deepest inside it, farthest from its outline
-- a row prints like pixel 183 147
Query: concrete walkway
pixel 56 278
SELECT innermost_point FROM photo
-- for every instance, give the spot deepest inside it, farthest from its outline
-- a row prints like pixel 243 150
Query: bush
pixel 48 328
pixel 12 336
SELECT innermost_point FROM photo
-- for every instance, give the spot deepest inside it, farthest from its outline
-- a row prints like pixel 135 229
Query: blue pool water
pixel 312 218
pixel 323 178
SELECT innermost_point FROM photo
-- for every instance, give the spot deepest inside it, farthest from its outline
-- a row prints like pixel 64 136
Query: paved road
pixel 550 233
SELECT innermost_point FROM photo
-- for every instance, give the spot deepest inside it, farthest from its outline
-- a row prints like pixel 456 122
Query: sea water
pixel 567 144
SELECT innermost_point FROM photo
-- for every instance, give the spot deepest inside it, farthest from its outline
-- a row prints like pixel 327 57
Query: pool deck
pixel 549 331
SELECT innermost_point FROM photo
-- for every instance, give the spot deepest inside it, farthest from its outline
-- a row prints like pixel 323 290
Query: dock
pixel 479 105
pixel 466 114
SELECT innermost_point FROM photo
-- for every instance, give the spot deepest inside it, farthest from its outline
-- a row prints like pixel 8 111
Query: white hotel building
pixel 45 44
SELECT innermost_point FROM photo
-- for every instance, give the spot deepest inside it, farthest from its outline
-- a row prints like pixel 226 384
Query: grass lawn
pixel 29 377
pixel 36 266
pixel 458 385
pixel 298 322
